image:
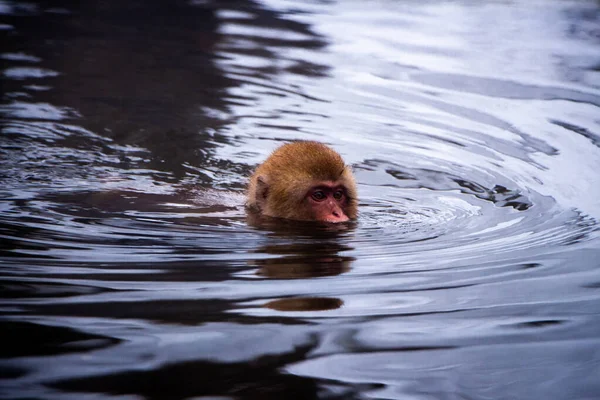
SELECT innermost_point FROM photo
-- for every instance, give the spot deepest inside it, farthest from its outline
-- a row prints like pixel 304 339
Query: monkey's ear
pixel 262 191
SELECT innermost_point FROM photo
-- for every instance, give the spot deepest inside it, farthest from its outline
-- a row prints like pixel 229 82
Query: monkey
pixel 304 181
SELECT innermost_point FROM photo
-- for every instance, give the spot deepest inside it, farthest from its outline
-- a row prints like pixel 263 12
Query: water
pixel 129 269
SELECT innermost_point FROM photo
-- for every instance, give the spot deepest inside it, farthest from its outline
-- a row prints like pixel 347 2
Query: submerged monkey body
pixel 305 181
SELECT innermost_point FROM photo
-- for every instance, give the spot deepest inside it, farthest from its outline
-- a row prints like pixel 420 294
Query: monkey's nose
pixel 337 216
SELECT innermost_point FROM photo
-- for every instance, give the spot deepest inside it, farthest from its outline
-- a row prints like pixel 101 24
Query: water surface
pixel 130 270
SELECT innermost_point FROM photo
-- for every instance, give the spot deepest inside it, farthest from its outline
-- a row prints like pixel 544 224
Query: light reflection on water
pixel 129 267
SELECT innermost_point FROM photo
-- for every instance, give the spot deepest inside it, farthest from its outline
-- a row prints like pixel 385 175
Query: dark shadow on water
pixel 261 378
pixel 143 74
pixel 175 312
pixel 25 339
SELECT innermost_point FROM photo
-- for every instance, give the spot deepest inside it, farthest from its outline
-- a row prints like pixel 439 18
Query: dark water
pixel 129 269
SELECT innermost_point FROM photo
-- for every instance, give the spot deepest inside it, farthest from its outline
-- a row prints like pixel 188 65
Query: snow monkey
pixel 306 181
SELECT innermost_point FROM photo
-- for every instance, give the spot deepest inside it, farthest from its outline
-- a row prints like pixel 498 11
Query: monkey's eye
pixel 338 194
pixel 318 195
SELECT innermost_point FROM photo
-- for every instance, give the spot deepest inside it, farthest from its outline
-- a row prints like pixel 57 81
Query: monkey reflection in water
pixel 304 261
pixel 304 181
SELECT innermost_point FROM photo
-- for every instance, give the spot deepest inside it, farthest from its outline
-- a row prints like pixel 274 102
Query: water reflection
pixel 131 267
pixel 305 304
pixel 40 340
pixel 260 379
pixel 297 260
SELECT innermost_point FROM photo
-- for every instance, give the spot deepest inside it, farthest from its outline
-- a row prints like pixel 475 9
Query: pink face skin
pixel 327 202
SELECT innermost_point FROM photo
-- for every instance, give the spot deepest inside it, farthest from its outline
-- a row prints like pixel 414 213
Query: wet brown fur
pixel 279 186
